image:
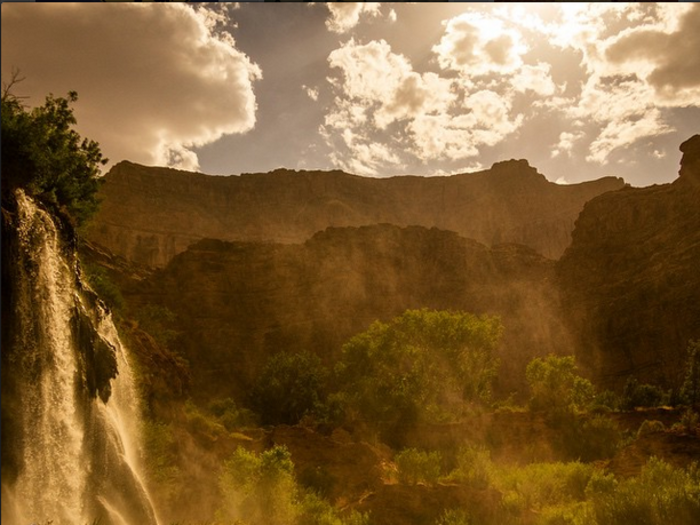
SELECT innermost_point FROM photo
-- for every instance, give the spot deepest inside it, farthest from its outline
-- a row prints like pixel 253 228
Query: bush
pixel 473 467
pixel 661 494
pixel 289 387
pixel 541 485
pixel 650 427
pixel 230 415
pixel 259 489
pixel 636 395
pixel 589 437
pixel 42 154
pixel 416 466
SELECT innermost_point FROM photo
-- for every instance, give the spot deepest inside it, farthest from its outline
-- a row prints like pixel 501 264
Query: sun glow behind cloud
pixel 496 70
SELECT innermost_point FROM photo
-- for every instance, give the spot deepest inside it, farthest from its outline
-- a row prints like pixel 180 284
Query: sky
pixel 582 91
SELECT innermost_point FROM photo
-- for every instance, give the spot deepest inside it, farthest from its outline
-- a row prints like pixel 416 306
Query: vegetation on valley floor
pixel 428 368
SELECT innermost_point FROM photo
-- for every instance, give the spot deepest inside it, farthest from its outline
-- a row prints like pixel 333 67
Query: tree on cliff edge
pixel 45 156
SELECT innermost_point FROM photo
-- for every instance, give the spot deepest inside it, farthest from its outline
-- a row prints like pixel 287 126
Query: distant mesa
pixel 149 215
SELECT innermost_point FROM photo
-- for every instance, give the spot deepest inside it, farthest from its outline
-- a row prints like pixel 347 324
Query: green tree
pixel 555 386
pixel 45 156
pixel 422 366
pixel 290 387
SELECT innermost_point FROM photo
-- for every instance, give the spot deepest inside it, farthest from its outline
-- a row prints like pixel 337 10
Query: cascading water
pixel 69 408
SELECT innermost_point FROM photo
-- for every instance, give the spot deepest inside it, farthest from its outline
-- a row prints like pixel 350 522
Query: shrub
pixel 474 467
pixel 636 395
pixel 230 415
pixel 541 485
pixel 416 466
pixel 650 427
pixel 661 494
pixel 259 489
pixel 289 387
pixel 589 437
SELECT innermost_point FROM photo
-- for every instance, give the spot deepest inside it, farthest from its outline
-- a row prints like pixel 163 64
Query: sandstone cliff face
pixel 239 303
pixel 148 215
pixel 631 279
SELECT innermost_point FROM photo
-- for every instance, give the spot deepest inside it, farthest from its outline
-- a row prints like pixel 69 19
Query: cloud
pixel 566 143
pixel 476 44
pixel 382 104
pixel 667 57
pixel 345 16
pixel 312 93
pixel 153 81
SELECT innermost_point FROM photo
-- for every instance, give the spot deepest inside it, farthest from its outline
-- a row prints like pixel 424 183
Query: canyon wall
pixel 239 303
pixel 631 278
pixel 148 215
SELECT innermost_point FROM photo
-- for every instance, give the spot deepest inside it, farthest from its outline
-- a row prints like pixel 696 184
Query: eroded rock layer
pixel 148 215
pixel 631 278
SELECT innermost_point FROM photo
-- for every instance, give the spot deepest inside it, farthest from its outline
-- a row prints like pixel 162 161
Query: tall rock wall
pixel 148 215
pixel 630 281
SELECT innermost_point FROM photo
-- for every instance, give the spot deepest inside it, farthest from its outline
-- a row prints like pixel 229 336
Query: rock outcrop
pixel 148 215
pixel 239 303
pixel 631 279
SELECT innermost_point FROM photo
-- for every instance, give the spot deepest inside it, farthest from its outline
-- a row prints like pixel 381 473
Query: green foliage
pixel 290 387
pixel 541 485
pixel 422 366
pixel 261 489
pixel 161 460
pixel 314 510
pixel 588 437
pixel 44 155
pixel 650 427
pixel 689 422
pixel 104 287
pixel 417 466
pixel 555 386
pixel 157 321
pixel 473 467
pixel 230 415
pixel 661 494
pixel 690 390
pixel 636 395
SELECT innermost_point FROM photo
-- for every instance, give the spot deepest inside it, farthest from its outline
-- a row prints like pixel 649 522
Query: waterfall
pixel 70 417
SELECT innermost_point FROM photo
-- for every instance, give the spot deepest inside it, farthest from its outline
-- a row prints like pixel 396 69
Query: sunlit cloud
pixel 566 143
pixel 476 44
pixel 131 64
pixel 346 15
pixel 312 93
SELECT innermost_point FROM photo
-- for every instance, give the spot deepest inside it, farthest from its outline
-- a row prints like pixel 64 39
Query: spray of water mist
pixel 75 455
